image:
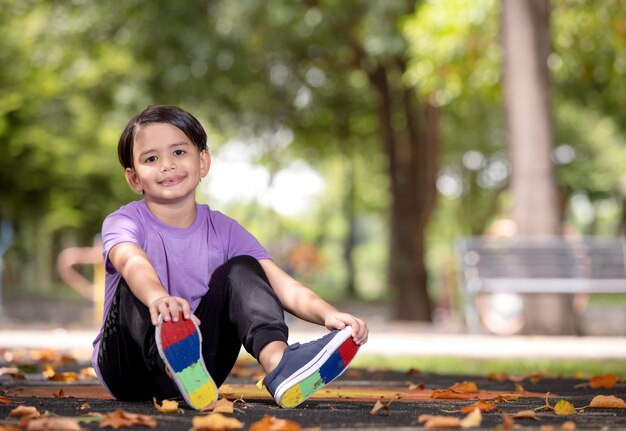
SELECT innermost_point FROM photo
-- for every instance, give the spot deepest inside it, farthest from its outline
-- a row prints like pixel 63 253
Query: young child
pixel 187 286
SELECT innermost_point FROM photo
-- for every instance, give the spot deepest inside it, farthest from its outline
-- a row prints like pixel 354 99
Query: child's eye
pixel 179 152
pixel 150 159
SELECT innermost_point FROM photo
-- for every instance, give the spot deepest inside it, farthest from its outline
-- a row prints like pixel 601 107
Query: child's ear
pixel 133 180
pixel 205 163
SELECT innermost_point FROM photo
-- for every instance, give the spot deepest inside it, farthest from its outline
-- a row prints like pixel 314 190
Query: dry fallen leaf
pixel 24 411
pixel 568 426
pixel 214 422
pixel 9 428
pixel 498 377
pixel 507 398
pixel 52 424
pixel 607 402
pixel 270 423
pixel 220 406
pixel 472 420
pixel 380 406
pixel 63 377
pixel 507 421
pixel 482 405
pixel 59 394
pixel 434 421
pixel 4 400
pixel 564 407
pixel 85 406
pixel 519 389
pixel 525 414
pixel 121 418
pixel 465 388
pixel 604 381
pixel 447 394
pixel 167 406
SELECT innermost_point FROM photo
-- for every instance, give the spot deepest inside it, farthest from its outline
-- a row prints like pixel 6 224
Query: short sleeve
pixel 118 228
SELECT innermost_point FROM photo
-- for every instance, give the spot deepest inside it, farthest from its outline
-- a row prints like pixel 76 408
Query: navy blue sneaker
pixel 306 368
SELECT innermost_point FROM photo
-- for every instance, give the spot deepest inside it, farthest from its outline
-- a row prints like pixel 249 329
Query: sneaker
pixel 180 347
pixel 306 368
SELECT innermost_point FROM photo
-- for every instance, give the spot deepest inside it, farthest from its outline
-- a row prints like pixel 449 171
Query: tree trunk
pixel 412 166
pixel 535 199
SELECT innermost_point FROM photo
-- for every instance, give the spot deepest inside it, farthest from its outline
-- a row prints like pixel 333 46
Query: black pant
pixel 240 307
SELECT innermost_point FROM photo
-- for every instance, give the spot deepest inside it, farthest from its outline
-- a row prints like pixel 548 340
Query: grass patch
pixel 481 367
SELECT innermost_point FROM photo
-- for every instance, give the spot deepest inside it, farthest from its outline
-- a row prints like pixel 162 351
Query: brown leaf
pixel 507 421
pixel 433 421
pixel 483 406
pixel 607 402
pixel 519 389
pixel 63 377
pixel 604 381
pixel 59 394
pixel 220 406
pixel 9 428
pixel 121 418
pixel 413 372
pixel 380 406
pixel 465 388
pixel 525 414
pixel 568 426
pixel 24 411
pixel 4 400
pixel 416 387
pixel 564 407
pixel 270 423
pixel 507 398
pixel 498 377
pixel 52 424
pixel 447 394
pixel 167 406
pixel 85 406
pixel 215 422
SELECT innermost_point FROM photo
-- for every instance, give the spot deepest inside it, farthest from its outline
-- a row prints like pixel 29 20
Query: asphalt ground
pixel 345 404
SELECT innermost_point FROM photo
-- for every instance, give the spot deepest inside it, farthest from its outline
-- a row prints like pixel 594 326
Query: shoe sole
pixel 180 346
pixel 325 367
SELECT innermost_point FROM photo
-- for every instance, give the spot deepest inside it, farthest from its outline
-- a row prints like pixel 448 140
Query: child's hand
pixel 341 320
pixel 169 307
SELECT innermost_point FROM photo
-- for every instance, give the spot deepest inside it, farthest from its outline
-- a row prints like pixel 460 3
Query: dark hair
pixel 173 115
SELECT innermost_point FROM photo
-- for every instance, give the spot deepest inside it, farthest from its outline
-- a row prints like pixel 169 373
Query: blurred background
pixel 358 140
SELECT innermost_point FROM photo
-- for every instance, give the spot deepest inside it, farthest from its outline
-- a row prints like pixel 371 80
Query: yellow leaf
pixel 215 422
pixel 472 420
pixel 62 377
pixel 607 402
pixel 167 406
pixel 270 423
pixel 220 406
pixel 605 381
pixel 564 407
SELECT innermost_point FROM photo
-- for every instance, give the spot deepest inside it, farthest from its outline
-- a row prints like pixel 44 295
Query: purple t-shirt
pixel 184 258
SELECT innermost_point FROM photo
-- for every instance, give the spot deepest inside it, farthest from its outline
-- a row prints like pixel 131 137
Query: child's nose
pixel 167 164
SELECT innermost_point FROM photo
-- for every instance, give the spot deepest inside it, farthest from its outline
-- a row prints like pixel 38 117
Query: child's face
pixel 167 165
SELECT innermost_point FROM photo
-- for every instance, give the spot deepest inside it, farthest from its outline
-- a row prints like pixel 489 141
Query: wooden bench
pixel 555 265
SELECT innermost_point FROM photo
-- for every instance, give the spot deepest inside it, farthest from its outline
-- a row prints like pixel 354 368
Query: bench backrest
pixel 542 265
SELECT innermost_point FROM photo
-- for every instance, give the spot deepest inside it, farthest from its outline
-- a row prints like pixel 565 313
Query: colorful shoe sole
pixel 319 374
pixel 180 346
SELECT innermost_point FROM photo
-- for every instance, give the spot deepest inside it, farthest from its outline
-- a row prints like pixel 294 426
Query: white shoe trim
pixel 311 367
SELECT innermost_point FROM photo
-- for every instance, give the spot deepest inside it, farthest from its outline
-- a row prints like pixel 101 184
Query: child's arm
pixel 133 264
pixel 305 304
